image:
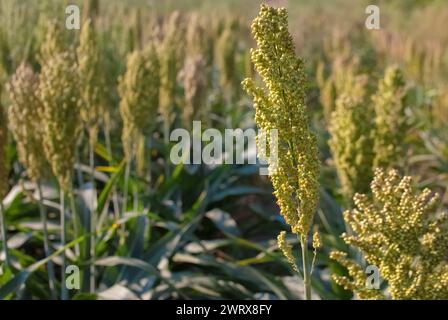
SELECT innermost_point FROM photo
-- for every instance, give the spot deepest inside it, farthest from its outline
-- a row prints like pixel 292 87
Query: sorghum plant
pixel 59 93
pixel 390 120
pixel 90 81
pixel 281 105
pixel 25 122
pixel 398 230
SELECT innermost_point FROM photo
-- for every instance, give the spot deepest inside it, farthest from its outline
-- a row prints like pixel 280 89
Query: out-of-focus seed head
pixel 390 120
pixel 59 93
pixel 226 50
pixel 195 86
pixel 172 55
pixel 54 42
pixel 25 120
pixel 351 143
pixel 139 93
pixel 89 69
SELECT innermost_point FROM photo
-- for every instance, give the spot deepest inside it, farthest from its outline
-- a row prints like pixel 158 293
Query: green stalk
pixel 93 215
pixel 4 235
pixel 106 129
pixel 166 138
pixel 306 267
pixel 47 249
pixel 125 198
pixel 64 292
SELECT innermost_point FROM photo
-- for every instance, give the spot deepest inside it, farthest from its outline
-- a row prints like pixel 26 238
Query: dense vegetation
pixel 85 171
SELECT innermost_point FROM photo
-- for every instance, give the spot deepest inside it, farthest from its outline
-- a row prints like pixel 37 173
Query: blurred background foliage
pixel 199 231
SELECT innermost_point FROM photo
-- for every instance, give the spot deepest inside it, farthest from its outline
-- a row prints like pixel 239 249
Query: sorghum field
pixel 100 201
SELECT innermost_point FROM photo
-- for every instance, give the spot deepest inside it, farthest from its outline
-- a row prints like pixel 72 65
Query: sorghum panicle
pixel 226 50
pixel 400 231
pixel 54 42
pixel 390 120
pixel 25 120
pixel 89 70
pixel 139 93
pixel 351 143
pixel 171 56
pixel 281 105
pixel 195 86
pixel 59 93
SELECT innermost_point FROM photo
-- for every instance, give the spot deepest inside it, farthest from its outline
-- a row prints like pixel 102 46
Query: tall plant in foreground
pixel 59 93
pixel 25 122
pixel 281 105
pixel 399 230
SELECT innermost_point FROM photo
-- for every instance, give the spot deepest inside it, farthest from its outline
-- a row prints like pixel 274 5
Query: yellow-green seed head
pixel 171 53
pixel 351 144
pixel 281 105
pixel 54 42
pixel 59 93
pixel 25 120
pixel 195 86
pixel 225 57
pixel 286 249
pixel 89 70
pixel 399 230
pixel 139 93
pixel 390 120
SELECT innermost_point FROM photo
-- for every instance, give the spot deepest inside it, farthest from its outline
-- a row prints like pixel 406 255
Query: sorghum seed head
pixel 399 230
pixel 281 105
pixel 59 93
pixel 25 120
pixel 139 93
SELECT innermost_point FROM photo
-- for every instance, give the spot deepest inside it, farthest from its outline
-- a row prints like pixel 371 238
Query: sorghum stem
pixel 306 267
pixel 64 293
pixel 125 197
pixel 50 266
pixel 115 203
pixel 4 235
pixel 93 214
pixel 166 138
